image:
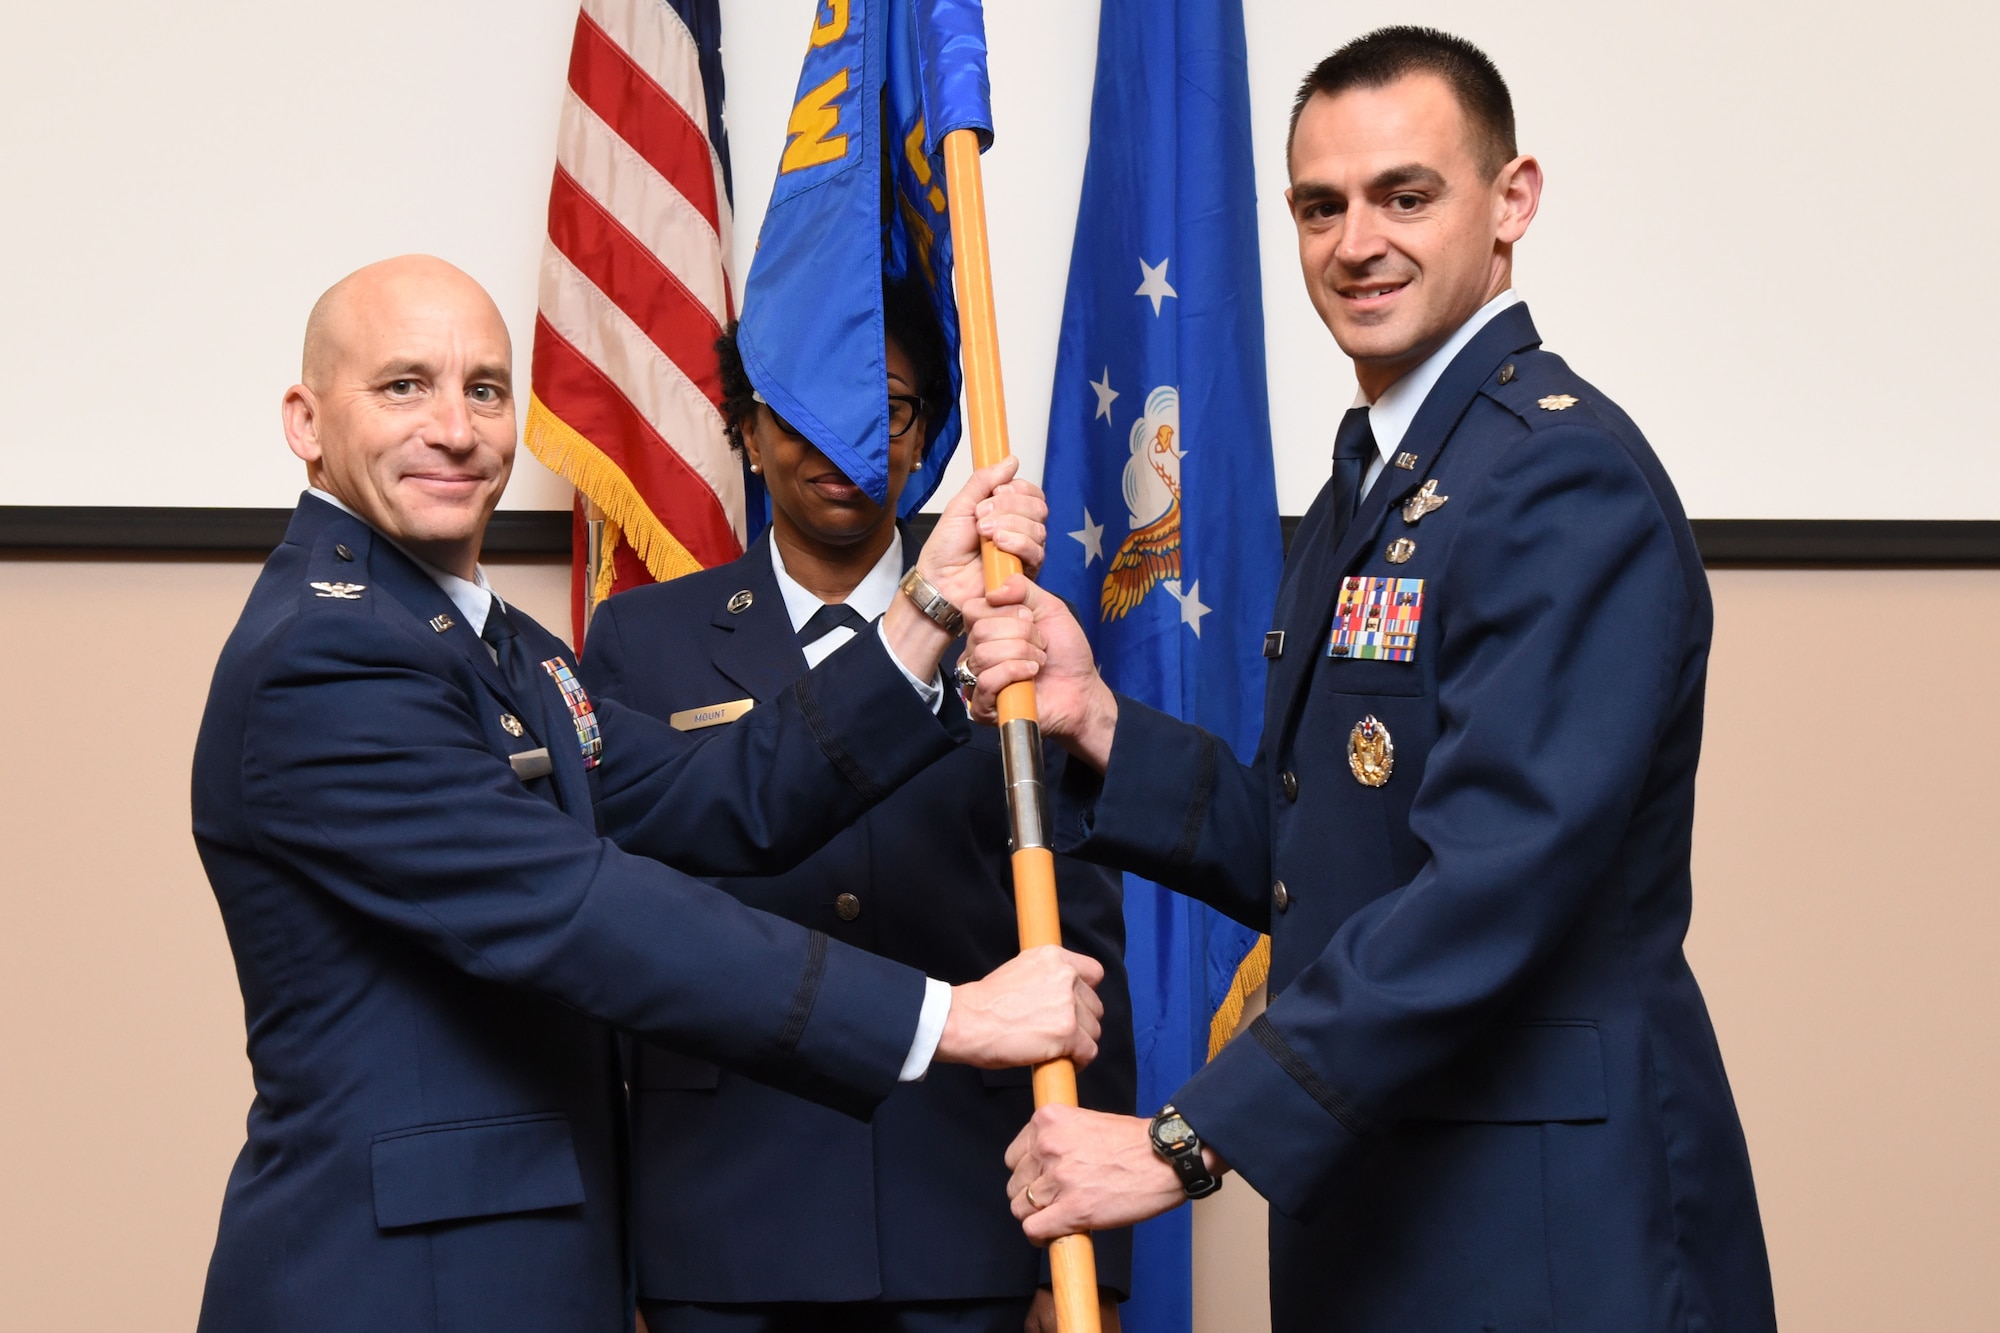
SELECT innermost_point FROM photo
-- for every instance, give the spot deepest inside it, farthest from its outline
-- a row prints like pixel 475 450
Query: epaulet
pixel 1541 389
pixel 336 571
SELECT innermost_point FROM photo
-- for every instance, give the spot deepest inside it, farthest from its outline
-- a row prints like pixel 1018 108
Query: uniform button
pixel 1281 897
pixel 343 552
pixel 847 907
pixel 1290 782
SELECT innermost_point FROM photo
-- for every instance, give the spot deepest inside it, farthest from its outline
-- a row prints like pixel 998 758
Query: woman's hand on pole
pixel 993 505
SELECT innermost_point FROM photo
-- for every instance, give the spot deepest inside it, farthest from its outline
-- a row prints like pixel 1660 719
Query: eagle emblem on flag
pixel 1151 553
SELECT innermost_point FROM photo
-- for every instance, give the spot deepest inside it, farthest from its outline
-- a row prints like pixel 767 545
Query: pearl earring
pixel 756 467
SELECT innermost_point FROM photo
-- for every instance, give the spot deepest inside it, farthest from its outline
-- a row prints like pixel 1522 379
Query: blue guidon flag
pixel 1159 472
pixel 883 82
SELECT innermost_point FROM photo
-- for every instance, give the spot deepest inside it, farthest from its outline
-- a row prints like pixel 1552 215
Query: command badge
pixel 1371 752
pixel 1400 551
pixel 1555 402
pixel 511 724
pixel 1377 619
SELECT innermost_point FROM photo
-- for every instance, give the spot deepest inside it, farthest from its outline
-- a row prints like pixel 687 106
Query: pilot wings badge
pixel 1151 554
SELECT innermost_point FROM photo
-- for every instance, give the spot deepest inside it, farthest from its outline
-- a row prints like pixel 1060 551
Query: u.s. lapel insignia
pixel 442 622
pixel 1423 502
pixel 1407 462
pixel 345 592
pixel 1556 402
pixel 740 602
pixel 1371 752
pixel 511 724
pixel 1400 551
pixel 588 738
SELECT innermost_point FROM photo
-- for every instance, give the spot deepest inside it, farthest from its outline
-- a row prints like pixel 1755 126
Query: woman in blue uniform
pixel 755 1211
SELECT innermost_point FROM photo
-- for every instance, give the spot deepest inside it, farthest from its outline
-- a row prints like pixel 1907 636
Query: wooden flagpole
pixel 1072 1260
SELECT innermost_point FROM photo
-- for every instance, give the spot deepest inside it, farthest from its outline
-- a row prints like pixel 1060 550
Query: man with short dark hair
pixel 1486 1093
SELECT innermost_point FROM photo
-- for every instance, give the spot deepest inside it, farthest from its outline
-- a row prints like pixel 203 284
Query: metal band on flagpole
pixel 594 556
pixel 1072 1259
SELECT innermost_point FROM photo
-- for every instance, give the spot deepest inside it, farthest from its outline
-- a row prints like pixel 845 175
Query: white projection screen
pixel 1768 229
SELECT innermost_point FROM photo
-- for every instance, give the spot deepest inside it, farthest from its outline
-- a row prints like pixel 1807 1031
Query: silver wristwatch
pixel 932 603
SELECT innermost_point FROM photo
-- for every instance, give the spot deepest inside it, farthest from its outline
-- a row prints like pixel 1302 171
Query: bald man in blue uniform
pixel 1486 1093
pixel 397 790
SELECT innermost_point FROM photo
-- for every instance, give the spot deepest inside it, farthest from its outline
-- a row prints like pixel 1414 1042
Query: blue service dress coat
pixel 744 1193
pixel 1486 1094
pixel 432 949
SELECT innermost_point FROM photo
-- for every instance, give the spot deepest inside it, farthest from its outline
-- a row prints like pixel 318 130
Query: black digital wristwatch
pixel 1175 1140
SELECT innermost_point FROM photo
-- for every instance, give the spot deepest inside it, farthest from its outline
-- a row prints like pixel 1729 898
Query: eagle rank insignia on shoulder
pixel 345 592
pixel 1371 752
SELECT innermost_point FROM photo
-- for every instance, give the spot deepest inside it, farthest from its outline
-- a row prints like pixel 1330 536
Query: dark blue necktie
pixel 1352 448
pixel 832 616
pixel 510 654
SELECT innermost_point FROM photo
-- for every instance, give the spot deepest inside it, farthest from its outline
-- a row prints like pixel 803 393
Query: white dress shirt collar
pixel 473 597
pixel 870 598
pixel 1389 416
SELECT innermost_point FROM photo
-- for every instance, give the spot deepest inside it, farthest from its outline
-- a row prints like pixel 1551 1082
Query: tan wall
pixel 123 1084
pixel 1848 896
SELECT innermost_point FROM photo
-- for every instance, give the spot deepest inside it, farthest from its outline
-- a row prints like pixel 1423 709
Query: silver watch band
pixel 932 603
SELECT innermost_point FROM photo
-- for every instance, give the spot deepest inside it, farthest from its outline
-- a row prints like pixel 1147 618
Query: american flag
pixel 634 291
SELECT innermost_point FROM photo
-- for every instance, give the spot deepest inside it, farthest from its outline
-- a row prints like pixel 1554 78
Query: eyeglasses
pixel 903 413
pixel 904 410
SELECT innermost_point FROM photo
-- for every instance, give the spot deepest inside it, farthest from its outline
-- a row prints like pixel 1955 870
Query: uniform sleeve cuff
pixel 932 693
pixel 930 1030
pixel 1271 1131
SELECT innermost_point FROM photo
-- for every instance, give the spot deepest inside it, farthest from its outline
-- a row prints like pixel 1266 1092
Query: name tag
pixel 1377 619
pixel 531 764
pixel 710 715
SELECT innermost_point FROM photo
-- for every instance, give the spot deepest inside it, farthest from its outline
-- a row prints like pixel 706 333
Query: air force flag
pixel 1159 472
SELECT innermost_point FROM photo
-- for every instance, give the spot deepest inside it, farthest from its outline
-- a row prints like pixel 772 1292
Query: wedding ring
pixel 1030 1192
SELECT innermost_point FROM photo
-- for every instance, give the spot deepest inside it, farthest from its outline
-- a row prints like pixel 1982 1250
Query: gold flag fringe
pixel 1252 972
pixel 583 465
